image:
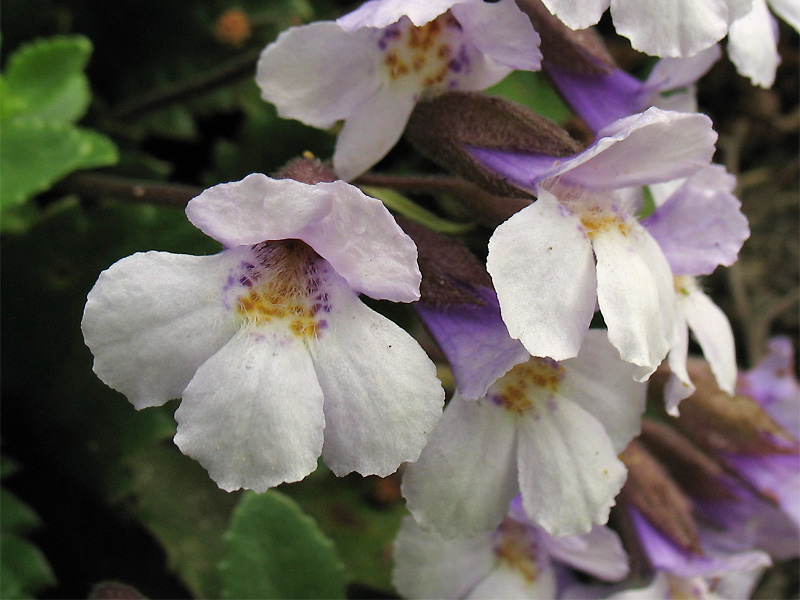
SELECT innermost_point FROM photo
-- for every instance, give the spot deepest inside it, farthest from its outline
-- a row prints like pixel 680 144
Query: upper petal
pixel 467 475
pixel 382 397
pixel 701 225
pixel 153 318
pixel 569 473
pixel 352 231
pixel 671 27
pixel 502 32
pixel 252 415
pixel 542 268
pixel 602 384
pixel 635 294
pixel 318 72
pixel 650 147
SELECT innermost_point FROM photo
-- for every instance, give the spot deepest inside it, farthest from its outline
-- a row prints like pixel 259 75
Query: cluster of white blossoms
pixel 277 361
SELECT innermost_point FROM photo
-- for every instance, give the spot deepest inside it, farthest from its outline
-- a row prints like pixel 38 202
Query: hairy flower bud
pixel 446 127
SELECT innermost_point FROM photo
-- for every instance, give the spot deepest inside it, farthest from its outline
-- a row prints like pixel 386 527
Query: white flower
pixel 753 39
pixel 371 66
pixel 580 244
pixel 275 357
pixel 546 430
pixel 663 28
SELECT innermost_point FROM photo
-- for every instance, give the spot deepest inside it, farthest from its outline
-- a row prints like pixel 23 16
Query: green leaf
pixel 534 91
pixel 404 206
pixel 37 153
pixel 274 550
pixel 189 521
pixel 26 566
pixel 362 529
pixel 15 515
pixel 45 79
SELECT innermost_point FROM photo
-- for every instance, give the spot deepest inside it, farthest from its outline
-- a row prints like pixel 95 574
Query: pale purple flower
pixel 610 94
pixel 370 67
pixel 516 560
pixel 267 343
pixel 580 244
pixel 699 225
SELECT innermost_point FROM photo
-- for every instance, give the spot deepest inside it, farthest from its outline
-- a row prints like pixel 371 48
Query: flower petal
pixel 153 318
pixel 569 472
pixel 666 556
pixel 679 385
pixel 650 147
pixel 674 73
pixel 365 245
pixel 671 27
pixel 476 343
pixel 252 415
pixel 502 32
pixel 753 45
pixel 602 98
pixel 467 475
pixel 788 10
pixel 507 582
pixel 602 384
pixel 577 14
pixel 714 334
pixel 701 225
pixel 382 13
pixel 598 553
pixel 318 72
pixel 635 294
pixel 429 566
pixel 372 129
pixel 352 231
pixel 382 397
pixel 542 268
pixel 258 208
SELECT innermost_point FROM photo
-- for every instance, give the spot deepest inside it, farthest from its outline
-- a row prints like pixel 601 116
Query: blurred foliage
pixel 23 568
pixel 44 92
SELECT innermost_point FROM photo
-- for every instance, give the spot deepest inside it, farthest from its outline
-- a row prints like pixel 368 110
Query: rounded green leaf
pixel 37 153
pixel 274 550
pixel 45 79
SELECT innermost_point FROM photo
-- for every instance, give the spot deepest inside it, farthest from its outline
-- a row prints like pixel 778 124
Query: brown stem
pixel 100 185
pixel 234 69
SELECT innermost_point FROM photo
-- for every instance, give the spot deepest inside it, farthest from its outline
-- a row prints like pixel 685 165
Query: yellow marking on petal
pixel 423 56
pixel 598 220
pixel 516 546
pixel 515 391
pixel 283 289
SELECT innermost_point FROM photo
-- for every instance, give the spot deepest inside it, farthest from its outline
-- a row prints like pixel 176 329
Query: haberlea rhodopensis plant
pixel 443 298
